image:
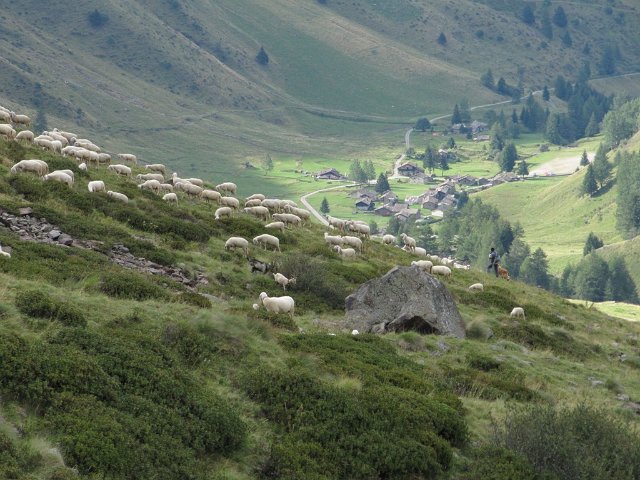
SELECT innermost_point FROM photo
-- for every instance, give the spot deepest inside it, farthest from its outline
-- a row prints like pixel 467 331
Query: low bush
pixel 38 304
pixel 282 320
pixel 497 463
pixel 573 442
pixel 534 336
pixel 193 347
pixel 483 362
pixel 130 285
pixel 192 298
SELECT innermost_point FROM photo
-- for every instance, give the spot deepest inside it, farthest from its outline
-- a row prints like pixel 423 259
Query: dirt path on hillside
pixel 559 166
pixel 313 211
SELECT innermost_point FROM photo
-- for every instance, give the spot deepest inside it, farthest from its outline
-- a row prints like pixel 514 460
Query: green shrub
pixel 192 298
pixel 578 442
pixel 479 331
pixel 130 285
pixel 193 347
pixel 282 320
pixel 38 304
pixel 483 362
pixel 30 186
pixel 534 336
pixel 497 463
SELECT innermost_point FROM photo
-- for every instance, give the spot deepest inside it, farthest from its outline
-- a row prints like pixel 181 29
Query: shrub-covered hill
pixel 110 372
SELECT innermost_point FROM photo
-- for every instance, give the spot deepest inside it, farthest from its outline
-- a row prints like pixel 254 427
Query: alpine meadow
pixel 320 239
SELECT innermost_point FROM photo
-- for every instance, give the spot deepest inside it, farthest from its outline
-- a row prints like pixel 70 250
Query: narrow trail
pixel 313 211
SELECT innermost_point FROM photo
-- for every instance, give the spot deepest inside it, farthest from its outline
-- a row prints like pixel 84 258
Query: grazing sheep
pixel 441 270
pixel 254 202
pixel 120 169
pixel 336 222
pixel 461 266
pixel 59 177
pixel 354 242
pixel 68 172
pixel 517 312
pixel 355 332
pixel 209 195
pixel 424 265
pixel 188 188
pixel 118 196
pixel 229 202
pixel 266 239
pixel 21 119
pixel 170 197
pixel 345 252
pixel 5 116
pixel 157 167
pixel 195 181
pixel 259 212
pixel 103 159
pixel 150 185
pixel 332 239
pixel 434 258
pixel 7 130
pixel 476 287
pixel 301 212
pixel 389 239
pixel 83 167
pixel 278 304
pixel 409 242
pixel 287 218
pixel 58 137
pixel 273 204
pixel 419 251
pixel 447 261
pixel 88 144
pixel 4 254
pixel 227 187
pixel 128 157
pixel 256 196
pixel 256 306
pixel 39 167
pixel 359 228
pixel 166 187
pixel 25 135
pixel 237 242
pixel 150 176
pixel 223 212
pixel 276 225
pixel 284 281
pixel 67 135
pixel 96 186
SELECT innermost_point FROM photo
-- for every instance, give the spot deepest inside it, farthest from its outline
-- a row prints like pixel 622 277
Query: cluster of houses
pixel 476 129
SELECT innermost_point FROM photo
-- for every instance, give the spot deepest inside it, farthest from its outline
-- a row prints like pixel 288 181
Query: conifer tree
pixel 324 206
pixel 523 168
pixel 589 184
pixel 545 94
pixel 369 170
pixel 620 284
pixel 508 157
pixel 592 128
pixel 382 185
pixel 535 269
pixel 487 80
pixel 560 18
pixel 430 159
pixel 584 159
pixel 262 58
pixel 601 166
pixel 592 243
pixel 528 16
pixel 455 117
pixel 628 201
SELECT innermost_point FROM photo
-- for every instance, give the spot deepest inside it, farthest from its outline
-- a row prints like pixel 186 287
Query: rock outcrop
pixel 406 298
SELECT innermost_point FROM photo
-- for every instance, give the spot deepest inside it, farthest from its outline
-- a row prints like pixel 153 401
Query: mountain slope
pixel 178 81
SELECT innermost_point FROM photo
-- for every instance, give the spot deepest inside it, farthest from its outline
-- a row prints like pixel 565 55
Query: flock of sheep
pixel 279 214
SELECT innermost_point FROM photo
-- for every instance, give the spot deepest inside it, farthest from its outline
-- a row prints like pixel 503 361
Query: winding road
pixel 313 211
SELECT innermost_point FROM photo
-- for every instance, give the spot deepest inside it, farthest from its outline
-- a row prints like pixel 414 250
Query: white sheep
pixel 83 167
pixel 355 332
pixel 517 312
pixel 266 239
pixel 441 270
pixel 25 135
pixel 166 187
pixel 38 167
pixel 21 119
pixel 209 195
pixel 284 281
pixel 278 304
pixel 360 228
pixel 229 202
pixel 223 212
pixel 170 197
pixel 256 196
pixel 103 159
pixel 389 239
pixel 301 212
pixel 118 196
pixel 4 254
pixel 345 252
pixel 259 212
pixel 59 177
pixel 120 169
pixel 7 130
pixel 287 218
pixel 276 225
pixel 254 202
pixel 461 266
pixel 332 239
pixel 273 204
pixel 227 187
pixel 188 188
pixel 354 242
pixel 157 167
pixel 128 157
pixel 195 181
pixel 143 177
pixel 476 287
pixel 68 172
pixel 420 252
pixel 256 306
pixel 150 185
pixel 5 116
pixel 336 222
pixel 237 242
pixel 96 186
pixel 409 242
pixel 424 265
pixel 434 258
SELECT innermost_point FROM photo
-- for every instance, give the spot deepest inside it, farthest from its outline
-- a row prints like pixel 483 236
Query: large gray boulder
pixel 406 298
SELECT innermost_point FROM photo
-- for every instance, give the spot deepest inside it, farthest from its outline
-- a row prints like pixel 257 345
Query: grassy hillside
pixel 178 82
pixel 119 373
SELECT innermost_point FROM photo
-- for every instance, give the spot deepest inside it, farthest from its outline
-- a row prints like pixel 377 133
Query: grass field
pixel 626 311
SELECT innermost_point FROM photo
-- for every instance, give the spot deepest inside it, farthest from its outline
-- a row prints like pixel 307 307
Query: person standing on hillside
pixel 494 260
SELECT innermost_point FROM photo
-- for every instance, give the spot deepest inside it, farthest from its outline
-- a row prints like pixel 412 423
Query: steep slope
pixel 179 82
